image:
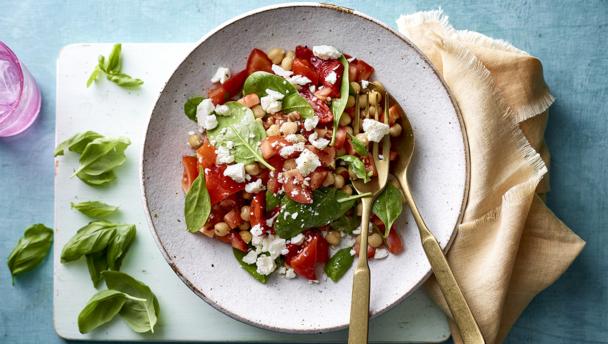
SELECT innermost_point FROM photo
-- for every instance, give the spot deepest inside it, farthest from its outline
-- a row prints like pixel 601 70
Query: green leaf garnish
pixel 95 209
pixel 198 204
pixel 339 264
pixel 357 167
pixel 112 68
pixel 31 249
pixel 190 107
pixel 338 105
pixel 250 268
pixel 99 158
pixel 358 146
pixel 101 309
pixel 76 143
pixel 388 206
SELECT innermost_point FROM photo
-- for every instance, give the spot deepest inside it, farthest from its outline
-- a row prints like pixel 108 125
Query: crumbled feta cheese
pixel 210 122
pixel 222 74
pixel 352 252
pixel 312 88
pixel 282 270
pixel 274 246
pixel 223 156
pixel 299 80
pixel 375 130
pixel 364 84
pixel 287 151
pixel 326 52
pixel 307 162
pixel 265 265
pixel 236 172
pixel 332 77
pixel 278 70
pixel 311 123
pixel 290 274
pixel 271 102
pixel 294 216
pixel 380 253
pixel 222 109
pixel 254 187
pixel 357 231
pixel 203 111
pixel 298 239
pixel 293 138
pixel 256 231
pixel 274 94
pixel 319 143
pixel 270 221
pixel 251 257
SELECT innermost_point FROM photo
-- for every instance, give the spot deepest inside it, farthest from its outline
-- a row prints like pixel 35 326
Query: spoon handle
pixel 359 307
pixel 461 313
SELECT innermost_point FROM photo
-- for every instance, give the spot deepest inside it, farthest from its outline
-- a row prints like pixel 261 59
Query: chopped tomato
pixel 218 94
pixel 322 249
pixel 271 146
pixel 364 71
pixel 303 52
pixel 208 231
pixel 225 239
pixel 394 114
pixel 258 61
pixel 295 189
pixel 324 69
pixel 327 156
pixel 258 204
pixel 304 262
pixel 393 155
pixel 340 136
pixel 370 251
pixel 206 154
pixel 319 106
pixel 317 178
pixel 233 218
pixel 304 68
pixel 292 251
pixel 190 172
pixel 369 164
pixel 352 72
pixel 250 100
pixel 237 242
pixel 394 244
pixel 220 186
pixel 234 84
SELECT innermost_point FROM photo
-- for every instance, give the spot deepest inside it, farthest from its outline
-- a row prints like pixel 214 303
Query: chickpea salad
pixel 274 156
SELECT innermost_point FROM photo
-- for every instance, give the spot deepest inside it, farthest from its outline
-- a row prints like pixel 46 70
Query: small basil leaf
pixel 76 143
pixel 97 180
pixel 101 156
pixel 94 237
pixel 250 268
pixel 388 206
pixel 96 264
pixel 259 82
pixel 190 107
pixel 324 210
pixel 118 248
pixel 94 75
pixel 272 200
pixel 295 102
pixel 357 166
pixel 114 65
pixel 346 224
pixel 124 80
pixel 198 204
pixel 31 249
pixel 95 209
pixel 358 146
pixel 101 309
pixel 141 315
pixel 339 264
pixel 338 105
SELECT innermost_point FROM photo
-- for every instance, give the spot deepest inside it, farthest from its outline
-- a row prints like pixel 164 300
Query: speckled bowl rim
pixel 337 8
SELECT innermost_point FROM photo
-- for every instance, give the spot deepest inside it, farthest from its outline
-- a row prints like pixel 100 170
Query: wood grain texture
pixel 568 36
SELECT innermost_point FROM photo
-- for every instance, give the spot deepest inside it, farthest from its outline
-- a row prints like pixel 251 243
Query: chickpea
pixel 363 101
pixel 363 138
pixel 350 102
pixel 341 170
pixel 395 130
pixel 289 128
pixel 195 141
pixel 258 112
pixel 379 86
pixel 345 120
pixel 289 164
pixel 374 98
pixel 273 130
pixel 333 238
pixel 347 190
pixel 252 169
pixel 375 240
pixel 329 180
pixel 244 226
pixel 293 116
pixel 245 212
pixel 372 111
pixel 246 236
pixel 221 229
pixel 359 209
pixel 355 88
pixel 352 175
pixel 338 181
pixel 276 55
pixel 300 138
pixel 288 60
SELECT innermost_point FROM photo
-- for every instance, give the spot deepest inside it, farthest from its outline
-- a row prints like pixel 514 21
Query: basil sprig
pixel 95 209
pixel 198 204
pixel 112 68
pixel 358 146
pixel 77 143
pixel 388 206
pixel 357 167
pixel 339 104
pixel 125 296
pixel 31 249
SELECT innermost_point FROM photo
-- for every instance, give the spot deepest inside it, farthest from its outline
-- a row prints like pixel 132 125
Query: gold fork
pixel 359 309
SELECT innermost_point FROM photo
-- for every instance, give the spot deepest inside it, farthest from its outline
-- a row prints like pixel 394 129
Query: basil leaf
pixel 124 80
pixel 272 200
pixel 31 249
pixel 94 237
pixel 338 105
pixel 250 268
pixel 77 143
pixel 141 315
pixel 388 206
pixel 346 224
pixel 100 157
pixel 295 102
pixel 198 204
pixel 95 209
pixel 324 209
pixel 190 107
pixel 96 263
pixel 339 264
pixel 112 68
pixel 358 146
pixel 259 82
pixel 94 75
pixel 125 234
pixel 101 309
pixel 357 166
pixel 114 64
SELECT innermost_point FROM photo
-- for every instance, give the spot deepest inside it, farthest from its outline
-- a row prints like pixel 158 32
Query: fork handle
pixel 461 313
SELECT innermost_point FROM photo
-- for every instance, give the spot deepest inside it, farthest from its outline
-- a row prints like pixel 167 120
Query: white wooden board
pixel 112 111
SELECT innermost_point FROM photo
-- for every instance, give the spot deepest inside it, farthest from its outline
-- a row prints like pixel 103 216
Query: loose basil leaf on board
pixel 190 107
pixel 94 75
pixel 272 200
pixel 31 249
pixel 76 143
pixel 198 204
pixel 114 64
pixel 95 209
pixel 96 264
pixel 141 316
pixel 112 68
pixel 97 180
pixel 338 105
pixel 250 268
pixel 388 206
pixel 346 224
pixel 100 157
pixel 259 82
pixel 339 264
pixel 295 102
pixel 92 238
pixel 119 246
pixel 102 308
pixel 324 209
pixel 357 166
pixel 124 80
pixel 358 146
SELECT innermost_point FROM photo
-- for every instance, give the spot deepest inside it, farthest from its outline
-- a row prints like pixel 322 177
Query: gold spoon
pixel 457 304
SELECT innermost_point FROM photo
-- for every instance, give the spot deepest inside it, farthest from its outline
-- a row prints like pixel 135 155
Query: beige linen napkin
pixel 510 246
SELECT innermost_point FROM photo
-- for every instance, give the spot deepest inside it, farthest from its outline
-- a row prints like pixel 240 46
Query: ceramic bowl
pixel 439 171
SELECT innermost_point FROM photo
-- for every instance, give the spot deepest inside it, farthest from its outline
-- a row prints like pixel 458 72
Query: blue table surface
pixel 570 37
